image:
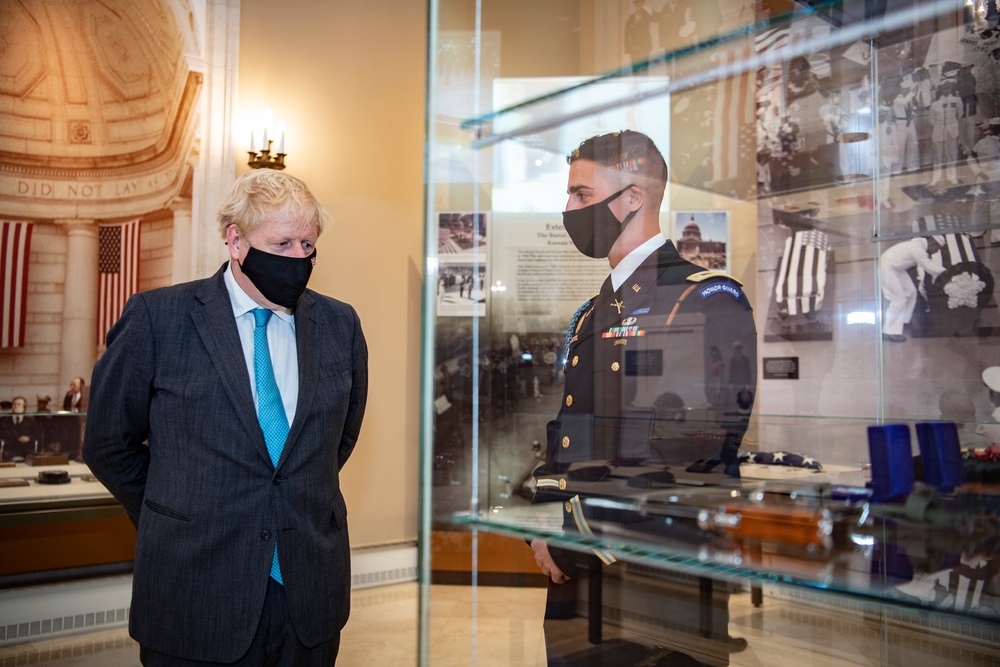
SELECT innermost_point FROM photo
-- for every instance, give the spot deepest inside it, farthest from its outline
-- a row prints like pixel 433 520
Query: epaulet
pixel 702 276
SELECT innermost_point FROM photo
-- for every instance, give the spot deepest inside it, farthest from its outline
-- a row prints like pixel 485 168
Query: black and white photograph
pixel 877 213
pixel 461 290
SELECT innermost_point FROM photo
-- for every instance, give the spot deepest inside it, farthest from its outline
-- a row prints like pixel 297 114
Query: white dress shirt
pixel 634 259
pixel 280 342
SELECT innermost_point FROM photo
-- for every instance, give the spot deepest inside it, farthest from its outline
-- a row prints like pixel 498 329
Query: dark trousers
pixel 274 645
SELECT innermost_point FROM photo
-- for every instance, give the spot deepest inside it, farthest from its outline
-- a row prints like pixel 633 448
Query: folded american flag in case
pixel 780 458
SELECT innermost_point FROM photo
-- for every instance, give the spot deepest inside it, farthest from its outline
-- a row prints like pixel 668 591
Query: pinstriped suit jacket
pixel 204 496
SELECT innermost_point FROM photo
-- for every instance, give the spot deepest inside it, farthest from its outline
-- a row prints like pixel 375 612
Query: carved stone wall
pixel 100 105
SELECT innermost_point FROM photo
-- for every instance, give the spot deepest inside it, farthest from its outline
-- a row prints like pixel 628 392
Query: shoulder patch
pixel 720 288
pixel 702 276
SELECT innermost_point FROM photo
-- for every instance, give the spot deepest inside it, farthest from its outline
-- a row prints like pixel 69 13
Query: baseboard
pixel 34 613
pixel 381 566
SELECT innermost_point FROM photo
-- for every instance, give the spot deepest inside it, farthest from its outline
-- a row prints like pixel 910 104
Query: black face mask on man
pixel 594 229
pixel 281 280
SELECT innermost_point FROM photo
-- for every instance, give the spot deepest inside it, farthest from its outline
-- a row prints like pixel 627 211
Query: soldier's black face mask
pixel 594 229
pixel 280 279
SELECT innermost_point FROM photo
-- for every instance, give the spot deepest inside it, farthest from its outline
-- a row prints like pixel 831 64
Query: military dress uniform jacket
pixel 207 501
pixel 637 377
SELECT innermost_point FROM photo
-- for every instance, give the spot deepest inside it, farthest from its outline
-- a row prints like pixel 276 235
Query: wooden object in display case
pixel 62 538
pixel 47 460
pixel 500 560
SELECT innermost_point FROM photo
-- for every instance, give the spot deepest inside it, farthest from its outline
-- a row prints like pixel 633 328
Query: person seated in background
pixel 18 432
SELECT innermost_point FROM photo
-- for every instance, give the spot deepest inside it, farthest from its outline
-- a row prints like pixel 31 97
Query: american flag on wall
pixel 734 140
pixel 15 246
pixel 118 269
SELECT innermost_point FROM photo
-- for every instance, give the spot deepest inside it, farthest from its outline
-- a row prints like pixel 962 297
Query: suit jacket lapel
pixel 214 321
pixel 308 343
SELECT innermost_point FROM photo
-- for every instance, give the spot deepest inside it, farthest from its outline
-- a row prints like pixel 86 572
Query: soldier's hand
pixel 545 562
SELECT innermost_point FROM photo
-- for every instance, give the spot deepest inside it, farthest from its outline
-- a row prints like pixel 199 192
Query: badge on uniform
pixel 639 311
pixel 721 288
pixel 623 332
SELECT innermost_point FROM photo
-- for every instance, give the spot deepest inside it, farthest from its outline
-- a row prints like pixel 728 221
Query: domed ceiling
pixel 97 106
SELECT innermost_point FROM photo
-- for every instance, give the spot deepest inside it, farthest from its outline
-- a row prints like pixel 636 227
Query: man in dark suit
pixel 634 412
pixel 75 399
pixel 220 417
pixel 18 433
pixel 68 431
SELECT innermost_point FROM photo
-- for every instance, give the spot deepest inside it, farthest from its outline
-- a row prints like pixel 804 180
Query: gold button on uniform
pixel 565 441
pixel 576 360
pixel 562 485
pixel 615 366
pixel 569 400
pixel 569 507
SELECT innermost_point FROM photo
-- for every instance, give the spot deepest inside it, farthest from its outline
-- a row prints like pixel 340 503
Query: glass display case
pixel 829 461
pixel 56 519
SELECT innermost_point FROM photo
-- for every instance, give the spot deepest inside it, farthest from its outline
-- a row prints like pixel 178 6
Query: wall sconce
pixel 264 159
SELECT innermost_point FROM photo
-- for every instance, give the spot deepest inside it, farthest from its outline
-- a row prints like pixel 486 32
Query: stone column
pixel 78 347
pixel 182 266
pixel 217 153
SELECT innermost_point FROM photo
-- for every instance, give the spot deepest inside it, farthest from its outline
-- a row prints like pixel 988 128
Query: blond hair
pixel 260 195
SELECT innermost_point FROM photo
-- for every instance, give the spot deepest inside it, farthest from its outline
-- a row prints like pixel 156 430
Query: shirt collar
pixel 634 259
pixel 242 303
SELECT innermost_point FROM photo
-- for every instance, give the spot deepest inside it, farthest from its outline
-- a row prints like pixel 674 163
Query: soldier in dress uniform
pixel 647 334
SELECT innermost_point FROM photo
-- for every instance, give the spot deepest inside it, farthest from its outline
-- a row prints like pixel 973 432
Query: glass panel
pixel 831 168
pixel 24 435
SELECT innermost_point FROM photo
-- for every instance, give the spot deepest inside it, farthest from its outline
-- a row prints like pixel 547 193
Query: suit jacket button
pixel 565 441
pixel 576 360
pixel 265 535
pixel 569 400
pixel 615 366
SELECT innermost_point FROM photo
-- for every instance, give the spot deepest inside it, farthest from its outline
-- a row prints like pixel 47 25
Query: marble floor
pixel 506 630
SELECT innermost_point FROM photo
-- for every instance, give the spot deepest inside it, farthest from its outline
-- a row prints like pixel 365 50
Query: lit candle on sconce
pixel 265 158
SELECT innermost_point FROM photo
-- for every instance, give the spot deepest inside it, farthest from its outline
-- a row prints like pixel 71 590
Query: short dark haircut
pixel 627 151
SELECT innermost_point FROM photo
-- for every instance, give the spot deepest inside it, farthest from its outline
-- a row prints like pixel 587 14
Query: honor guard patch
pixel 720 288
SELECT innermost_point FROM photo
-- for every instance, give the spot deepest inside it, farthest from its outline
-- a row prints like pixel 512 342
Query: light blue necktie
pixel 270 409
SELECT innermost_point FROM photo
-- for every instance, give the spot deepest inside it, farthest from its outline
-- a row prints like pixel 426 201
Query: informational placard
pixel 538 278
pixel 781 368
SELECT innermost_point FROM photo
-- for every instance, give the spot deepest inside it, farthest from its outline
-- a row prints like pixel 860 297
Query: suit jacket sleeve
pixel 359 394
pixel 118 414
